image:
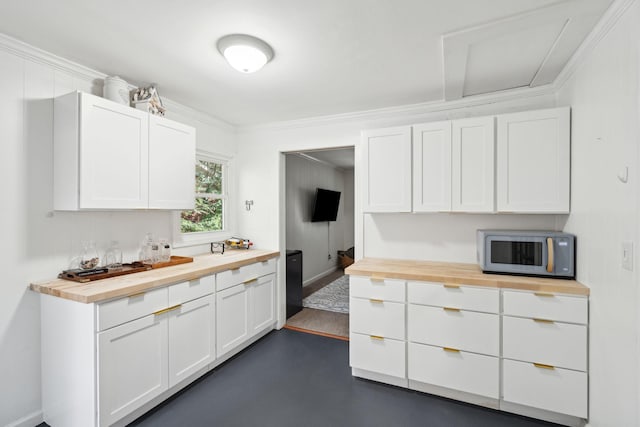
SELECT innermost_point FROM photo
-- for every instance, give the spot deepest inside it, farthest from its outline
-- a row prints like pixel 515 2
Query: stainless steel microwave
pixel 532 253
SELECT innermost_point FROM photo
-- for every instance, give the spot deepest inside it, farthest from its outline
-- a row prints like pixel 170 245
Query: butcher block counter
pixel 459 273
pixel 101 290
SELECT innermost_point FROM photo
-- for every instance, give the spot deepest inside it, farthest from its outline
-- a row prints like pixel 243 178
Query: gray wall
pixel 303 176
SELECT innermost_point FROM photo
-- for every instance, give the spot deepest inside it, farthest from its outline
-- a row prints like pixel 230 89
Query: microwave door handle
pixel 550 265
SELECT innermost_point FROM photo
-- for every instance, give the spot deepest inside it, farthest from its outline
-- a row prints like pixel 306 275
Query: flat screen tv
pixel 326 204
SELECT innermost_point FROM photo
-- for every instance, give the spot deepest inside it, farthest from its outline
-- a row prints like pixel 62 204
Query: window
pixel 208 214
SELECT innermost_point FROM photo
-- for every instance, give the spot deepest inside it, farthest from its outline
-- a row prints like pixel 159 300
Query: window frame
pixel 181 239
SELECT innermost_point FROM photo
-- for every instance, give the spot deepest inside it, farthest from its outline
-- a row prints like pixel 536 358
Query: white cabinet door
pixel 132 366
pixel 472 170
pixel 262 307
pixel 534 161
pixel 232 318
pixel 172 155
pixel 386 181
pixel 191 338
pixel 113 155
pixel 432 167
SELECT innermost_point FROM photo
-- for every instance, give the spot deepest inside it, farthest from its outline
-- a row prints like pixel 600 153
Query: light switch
pixel 627 255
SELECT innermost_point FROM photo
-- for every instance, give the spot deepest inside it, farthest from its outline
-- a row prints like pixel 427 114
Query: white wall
pixel 303 176
pixel 605 116
pixel 37 242
pixel 349 207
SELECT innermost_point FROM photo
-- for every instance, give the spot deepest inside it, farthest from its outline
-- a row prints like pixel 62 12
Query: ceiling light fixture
pixel 245 53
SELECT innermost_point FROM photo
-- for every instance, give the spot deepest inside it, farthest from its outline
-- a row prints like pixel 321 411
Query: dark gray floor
pixel 291 378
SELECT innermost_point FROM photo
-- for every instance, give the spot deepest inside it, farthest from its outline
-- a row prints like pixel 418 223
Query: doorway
pixel 325 243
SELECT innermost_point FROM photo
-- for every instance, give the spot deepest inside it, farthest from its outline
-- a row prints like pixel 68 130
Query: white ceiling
pixel 331 56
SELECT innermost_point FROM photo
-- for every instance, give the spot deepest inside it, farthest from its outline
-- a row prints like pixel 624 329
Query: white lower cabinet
pixel 191 338
pixel 121 357
pixel 132 366
pixel 454 369
pixel 454 328
pixel 554 389
pixel 520 351
pixel 378 354
pixel 232 318
pixel 262 303
pixel 243 311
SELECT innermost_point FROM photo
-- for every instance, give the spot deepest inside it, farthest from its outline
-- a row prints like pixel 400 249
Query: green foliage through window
pixel 207 215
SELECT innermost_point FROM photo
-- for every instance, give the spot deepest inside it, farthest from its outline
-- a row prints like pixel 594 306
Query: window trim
pixel 181 239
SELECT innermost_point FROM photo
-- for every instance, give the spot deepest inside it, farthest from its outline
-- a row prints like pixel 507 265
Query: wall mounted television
pixel 325 207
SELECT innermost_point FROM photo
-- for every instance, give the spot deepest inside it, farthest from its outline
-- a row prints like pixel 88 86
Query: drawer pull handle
pixel 139 294
pixel 235 269
pixel 543 366
pixel 543 321
pixel 377 301
pixel 450 286
pixel 451 350
pixel 166 310
pixel 451 309
pixel 250 281
pixel 377 279
pixel 543 294
pixel 376 337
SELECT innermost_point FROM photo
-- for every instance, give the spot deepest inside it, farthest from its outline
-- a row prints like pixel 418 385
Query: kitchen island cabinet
pixel 513 343
pixel 114 348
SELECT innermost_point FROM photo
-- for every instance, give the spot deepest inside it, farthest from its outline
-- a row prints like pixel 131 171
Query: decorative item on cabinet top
pixel 147 99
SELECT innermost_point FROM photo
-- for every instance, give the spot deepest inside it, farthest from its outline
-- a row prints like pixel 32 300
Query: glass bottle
pixel 113 256
pixel 89 258
pixel 165 250
pixel 146 249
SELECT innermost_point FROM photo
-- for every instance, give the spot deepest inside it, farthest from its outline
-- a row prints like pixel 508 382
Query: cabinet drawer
pixel 557 390
pixel 463 330
pixel 193 289
pixel 385 356
pixel 226 279
pixel 458 296
pixel 551 343
pixel 468 372
pixel 384 289
pixel 376 317
pixel 546 306
pixel 123 310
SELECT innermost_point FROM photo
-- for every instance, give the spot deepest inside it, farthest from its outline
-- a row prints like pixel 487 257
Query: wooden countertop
pixel 458 273
pixel 130 284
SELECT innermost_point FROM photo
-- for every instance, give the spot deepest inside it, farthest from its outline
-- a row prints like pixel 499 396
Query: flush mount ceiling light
pixel 245 53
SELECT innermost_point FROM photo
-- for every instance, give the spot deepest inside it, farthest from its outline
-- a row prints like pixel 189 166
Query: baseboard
pixel 319 276
pixel 381 378
pixel 30 420
pixel 541 414
pixel 462 396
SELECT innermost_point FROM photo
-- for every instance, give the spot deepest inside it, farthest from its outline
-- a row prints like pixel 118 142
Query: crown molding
pixel 403 110
pixel 606 23
pixel 37 55
pixel 34 54
pixel 201 116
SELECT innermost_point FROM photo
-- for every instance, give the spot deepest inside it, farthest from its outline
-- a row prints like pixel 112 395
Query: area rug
pixel 333 297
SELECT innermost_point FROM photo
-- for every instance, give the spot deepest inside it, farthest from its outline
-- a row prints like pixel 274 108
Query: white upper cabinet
pixel 112 156
pixel 533 162
pixel 100 154
pixel 472 170
pixel 387 170
pixel 172 153
pixel 432 167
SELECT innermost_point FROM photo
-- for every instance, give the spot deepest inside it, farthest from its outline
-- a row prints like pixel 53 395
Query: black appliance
pixel 294 282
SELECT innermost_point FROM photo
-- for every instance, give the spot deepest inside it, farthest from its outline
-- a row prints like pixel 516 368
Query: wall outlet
pixel 627 255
